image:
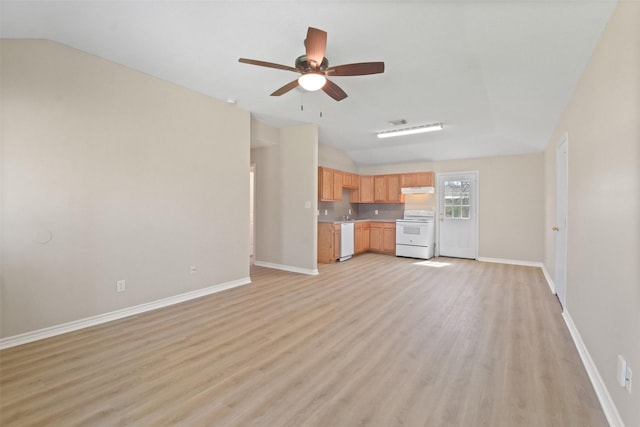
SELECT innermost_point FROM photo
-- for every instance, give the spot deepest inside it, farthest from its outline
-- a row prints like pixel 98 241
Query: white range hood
pixel 418 190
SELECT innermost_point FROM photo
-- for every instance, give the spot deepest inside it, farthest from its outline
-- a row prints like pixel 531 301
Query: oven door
pixel 411 233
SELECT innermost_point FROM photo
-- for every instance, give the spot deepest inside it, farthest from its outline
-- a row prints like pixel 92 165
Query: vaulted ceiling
pixel 497 74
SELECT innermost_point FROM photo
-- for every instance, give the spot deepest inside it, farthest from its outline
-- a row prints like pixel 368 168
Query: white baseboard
pixel 115 315
pixel 292 269
pixel 511 261
pixel 609 408
pixel 547 276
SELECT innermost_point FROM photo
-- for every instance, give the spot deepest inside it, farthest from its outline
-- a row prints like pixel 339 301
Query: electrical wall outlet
pixel 628 381
pixel 193 269
pixel 375 212
pixel 326 212
pixel 121 286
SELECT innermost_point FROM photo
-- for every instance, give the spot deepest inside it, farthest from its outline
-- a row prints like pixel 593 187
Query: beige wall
pixel 603 277
pixel 511 202
pixel 335 158
pixel 286 200
pixel 134 178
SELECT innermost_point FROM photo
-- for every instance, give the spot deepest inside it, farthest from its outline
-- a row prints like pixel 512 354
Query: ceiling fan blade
pixel 334 91
pixel 316 44
pixel 286 88
pixel 359 69
pixel 267 64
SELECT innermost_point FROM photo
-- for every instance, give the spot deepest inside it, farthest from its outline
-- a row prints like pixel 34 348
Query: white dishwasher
pixel 346 241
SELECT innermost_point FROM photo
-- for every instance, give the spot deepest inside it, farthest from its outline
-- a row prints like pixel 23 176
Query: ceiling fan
pixel 315 68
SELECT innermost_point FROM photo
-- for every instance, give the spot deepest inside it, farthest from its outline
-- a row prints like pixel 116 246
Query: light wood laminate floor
pixel 374 341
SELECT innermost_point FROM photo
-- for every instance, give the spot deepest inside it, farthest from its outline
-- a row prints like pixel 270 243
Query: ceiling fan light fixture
pixel 410 131
pixel 312 81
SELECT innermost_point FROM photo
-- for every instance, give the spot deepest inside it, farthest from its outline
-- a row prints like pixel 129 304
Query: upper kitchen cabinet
pixel 380 188
pixel 337 185
pixel 417 179
pixel 393 188
pixel 365 193
pixel 350 180
pixel 329 184
pixel 387 189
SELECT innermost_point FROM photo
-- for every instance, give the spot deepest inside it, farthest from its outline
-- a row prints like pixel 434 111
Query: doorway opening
pixel 560 229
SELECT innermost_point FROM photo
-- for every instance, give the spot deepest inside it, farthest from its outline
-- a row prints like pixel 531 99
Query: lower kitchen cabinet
pixel 328 242
pixel 361 237
pixel 375 236
pixel 382 237
pixel 366 236
pixel 389 238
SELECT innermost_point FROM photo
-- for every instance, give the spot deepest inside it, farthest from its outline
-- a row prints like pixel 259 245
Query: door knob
pixel 556 228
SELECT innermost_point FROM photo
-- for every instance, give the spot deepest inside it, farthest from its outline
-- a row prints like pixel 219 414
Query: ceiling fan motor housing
pixel 303 65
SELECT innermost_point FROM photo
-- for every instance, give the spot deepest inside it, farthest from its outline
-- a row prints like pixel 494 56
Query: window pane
pixel 465 212
pixel 448 201
pixel 448 211
pixel 456 211
pixel 465 201
pixel 457 201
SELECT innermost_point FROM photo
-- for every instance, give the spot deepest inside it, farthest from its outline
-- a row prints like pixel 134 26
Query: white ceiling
pixel 498 74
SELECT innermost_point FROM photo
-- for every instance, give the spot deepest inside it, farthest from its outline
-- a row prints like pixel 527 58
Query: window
pixel 456 199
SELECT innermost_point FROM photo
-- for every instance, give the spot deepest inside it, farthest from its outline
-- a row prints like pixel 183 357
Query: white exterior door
pixel 560 279
pixel 458 214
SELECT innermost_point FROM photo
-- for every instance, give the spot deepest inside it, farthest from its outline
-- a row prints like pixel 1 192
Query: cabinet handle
pixel 556 228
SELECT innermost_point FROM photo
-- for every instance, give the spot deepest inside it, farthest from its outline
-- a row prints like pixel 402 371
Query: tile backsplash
pixel 336 210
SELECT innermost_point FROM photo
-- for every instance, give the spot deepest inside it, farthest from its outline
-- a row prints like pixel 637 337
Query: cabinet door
pixel 337 185
pixel 346 179
pixel 380 188
pixel 393 188
pixel 357 238
pixel 389 238
pixel 424 179
pixel 325 243
pixel 366 229
pixel 407 180
pixel 375 237
pixel 366 189
pixel 325 184
pixel 354 181
pixel 336 241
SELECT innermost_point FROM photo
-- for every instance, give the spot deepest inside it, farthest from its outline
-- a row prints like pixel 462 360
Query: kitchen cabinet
pixel 325 184
pixel 365 192
pixel 417 179
pixel 368 189
pixel 375 237
pixel 337 185
pixel 361 237
pixel 387 189
pixel 389 237
pixel 350 181
pixel 330 182
pixel 382 237
pixel 393 189
pixel 425 179
pixel 366 227
pixel 328 242
pixel 380 188
pixel 357 238
pixel 337 234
